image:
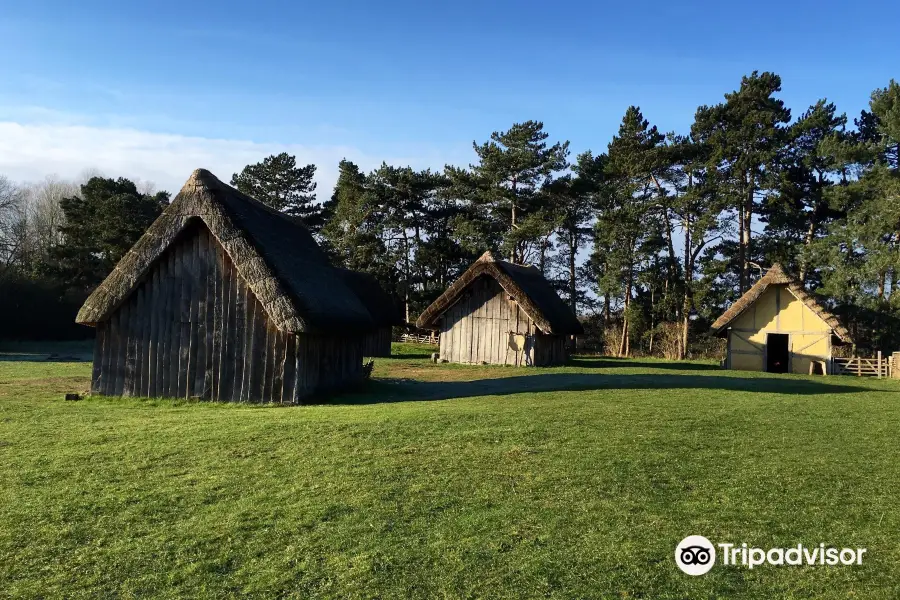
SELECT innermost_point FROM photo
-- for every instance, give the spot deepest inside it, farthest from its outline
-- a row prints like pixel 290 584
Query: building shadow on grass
pixel 387 390
pixel 607 362
pixel 27 357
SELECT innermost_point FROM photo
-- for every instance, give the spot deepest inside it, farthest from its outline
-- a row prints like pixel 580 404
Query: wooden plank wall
pixel 550 350
pixel 485 326
pixel 378 343
pixel 193 329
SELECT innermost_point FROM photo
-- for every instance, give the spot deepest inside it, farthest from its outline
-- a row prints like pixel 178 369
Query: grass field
pixel 449 481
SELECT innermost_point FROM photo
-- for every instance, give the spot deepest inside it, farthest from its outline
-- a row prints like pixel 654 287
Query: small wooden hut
pixel 501 313
pixel 224 298
pixel 779 327
pixel 382 307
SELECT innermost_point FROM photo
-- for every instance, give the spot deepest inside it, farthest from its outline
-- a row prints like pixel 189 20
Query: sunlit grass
pixel 449 481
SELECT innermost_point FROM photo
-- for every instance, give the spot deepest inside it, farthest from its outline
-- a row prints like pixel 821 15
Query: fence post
pixel 858 366
pixel 879 364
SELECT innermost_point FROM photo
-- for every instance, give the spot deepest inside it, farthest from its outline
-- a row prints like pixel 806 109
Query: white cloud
pixel 30 152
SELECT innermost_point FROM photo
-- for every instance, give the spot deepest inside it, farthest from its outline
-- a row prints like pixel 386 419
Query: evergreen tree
pixel 505 185
pixel 627 229
pixel 745 134
pixel 813 162
pixel 280 183
pixel 100 227
pixel 695 205
pixel 353 225
pixel 403 196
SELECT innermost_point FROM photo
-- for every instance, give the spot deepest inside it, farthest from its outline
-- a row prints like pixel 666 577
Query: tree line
pixel 659 229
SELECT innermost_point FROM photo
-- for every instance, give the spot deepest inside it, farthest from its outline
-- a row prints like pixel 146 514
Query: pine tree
pixel 100 227
pixel 506 183
pixel 280 183
pixel 813 162
pixel 353 226
pixel 627 227
pixel 745 134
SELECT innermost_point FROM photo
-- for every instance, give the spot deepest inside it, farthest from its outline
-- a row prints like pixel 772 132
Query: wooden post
pixel 858 366
pixel 879 364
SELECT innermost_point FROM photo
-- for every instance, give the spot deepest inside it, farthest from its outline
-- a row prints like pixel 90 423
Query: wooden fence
pixel 863 367
pixel 420 338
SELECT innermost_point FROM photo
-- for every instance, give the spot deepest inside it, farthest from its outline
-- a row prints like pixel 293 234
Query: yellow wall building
pixel 778 327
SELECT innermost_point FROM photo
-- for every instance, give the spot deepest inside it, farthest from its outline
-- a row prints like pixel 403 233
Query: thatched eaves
pixel 776 275
pixel 384 309
pixel 276 256
pixel 524 284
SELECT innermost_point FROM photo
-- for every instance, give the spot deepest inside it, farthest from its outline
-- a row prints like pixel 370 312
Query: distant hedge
pixel 36 309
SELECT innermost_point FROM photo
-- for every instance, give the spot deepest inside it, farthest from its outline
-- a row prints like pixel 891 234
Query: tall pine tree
pixel 280 183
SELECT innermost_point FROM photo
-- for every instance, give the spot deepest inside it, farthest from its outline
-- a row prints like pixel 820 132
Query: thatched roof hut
pixel 499 312
pixel 225 298
pixel 384 310
pixel 778 326
pixel 275 254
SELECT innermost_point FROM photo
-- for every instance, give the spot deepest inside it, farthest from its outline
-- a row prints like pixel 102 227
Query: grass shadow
pixel 386 390
pixel 608 362
pixel 65 358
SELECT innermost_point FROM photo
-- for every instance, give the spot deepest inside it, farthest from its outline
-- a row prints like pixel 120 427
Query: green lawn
pixel 446 481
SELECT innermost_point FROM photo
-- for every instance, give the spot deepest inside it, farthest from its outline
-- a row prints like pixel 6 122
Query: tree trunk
pixel 512 226
pixel 747 220
pixel 606 309
pixel 807 241
pixel 573 289
pixel 741 254
pixel 624 345
pixel 406 275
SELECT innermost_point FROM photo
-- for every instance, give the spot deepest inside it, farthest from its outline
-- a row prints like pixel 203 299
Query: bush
pixel 39 310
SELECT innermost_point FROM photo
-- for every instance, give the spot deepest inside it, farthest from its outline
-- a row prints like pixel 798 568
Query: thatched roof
pixel 383 308
pixel 276 255
pixel 526 285
pixel 777 276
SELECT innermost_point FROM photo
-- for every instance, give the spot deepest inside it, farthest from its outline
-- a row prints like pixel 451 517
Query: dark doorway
pixel 777 353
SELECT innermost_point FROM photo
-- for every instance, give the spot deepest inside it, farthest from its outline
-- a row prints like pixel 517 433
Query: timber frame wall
pixel 778 311
pixel 193 329
pixel 486 326
pixel 378 342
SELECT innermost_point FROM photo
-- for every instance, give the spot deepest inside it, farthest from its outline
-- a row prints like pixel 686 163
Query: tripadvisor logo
pixel 696 555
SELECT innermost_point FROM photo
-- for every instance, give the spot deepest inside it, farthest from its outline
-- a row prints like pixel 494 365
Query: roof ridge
pixel 778 275
pixel 277 258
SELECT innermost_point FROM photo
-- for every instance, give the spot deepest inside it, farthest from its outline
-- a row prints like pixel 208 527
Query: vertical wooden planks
pixel 173 311
pixel 141 335
pixel 182 348
pixel 289 383
pixel 217 280
pixel 278 371
pixel 247 345
pixel 97 370
pixel 301 364
pixel 109 380
pixel 154 336
pixel 268 383
pixel 209 286
pixel 128 327
pixel 198 320
pixel 227 365
pixel 256 354
pixel 194 329
pixel 118 357
pixel 163 323
pixel 106 375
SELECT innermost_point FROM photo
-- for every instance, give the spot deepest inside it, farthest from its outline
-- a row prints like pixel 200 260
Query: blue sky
pixel 147 90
